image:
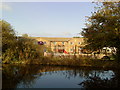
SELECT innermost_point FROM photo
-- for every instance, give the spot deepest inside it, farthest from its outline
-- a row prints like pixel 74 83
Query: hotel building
pixel 62 45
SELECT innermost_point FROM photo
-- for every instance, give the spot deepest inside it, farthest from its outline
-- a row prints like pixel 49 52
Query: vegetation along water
pixel 25 66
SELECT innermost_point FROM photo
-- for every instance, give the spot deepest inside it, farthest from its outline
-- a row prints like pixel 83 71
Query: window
pixel 44 50
pixel 78 42
pixel 71 43
pixel 80 48
pixel 71 49
pixel 54 43
pixel 44 42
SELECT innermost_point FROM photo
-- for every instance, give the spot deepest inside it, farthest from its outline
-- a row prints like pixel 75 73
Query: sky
pixel 47 19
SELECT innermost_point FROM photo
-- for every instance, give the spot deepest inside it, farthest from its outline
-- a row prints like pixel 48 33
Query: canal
pixel 39 76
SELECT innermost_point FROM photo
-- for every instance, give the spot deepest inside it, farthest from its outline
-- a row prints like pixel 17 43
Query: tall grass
pixel 83 61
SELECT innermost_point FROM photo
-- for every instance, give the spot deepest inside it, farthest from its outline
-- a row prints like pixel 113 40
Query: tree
pixel 25 35
pixel 104 27
pixel 16 48
pixel 8 36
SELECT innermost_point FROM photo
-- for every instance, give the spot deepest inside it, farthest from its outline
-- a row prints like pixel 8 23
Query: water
pixel 37 76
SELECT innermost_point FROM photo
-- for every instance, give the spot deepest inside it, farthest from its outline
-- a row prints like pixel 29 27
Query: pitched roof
pixel 54 38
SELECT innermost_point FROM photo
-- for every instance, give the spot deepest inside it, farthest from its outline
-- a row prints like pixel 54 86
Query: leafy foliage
pixel 8 36
pixel 16 48
pixel 97 82
pixel 104 27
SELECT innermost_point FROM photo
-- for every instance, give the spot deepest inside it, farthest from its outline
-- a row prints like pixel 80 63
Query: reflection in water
pixel 37 76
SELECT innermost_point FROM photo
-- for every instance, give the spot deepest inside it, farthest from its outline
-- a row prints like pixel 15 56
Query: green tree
pixel 8 36
pixel 103 27
pixel 25 35
pixel 27 49
pixel 16 48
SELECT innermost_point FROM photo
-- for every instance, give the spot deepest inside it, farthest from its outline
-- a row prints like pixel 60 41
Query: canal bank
pixel 75 62
pixel 41 76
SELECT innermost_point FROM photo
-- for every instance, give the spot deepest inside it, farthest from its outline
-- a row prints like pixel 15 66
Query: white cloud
pixel 5 6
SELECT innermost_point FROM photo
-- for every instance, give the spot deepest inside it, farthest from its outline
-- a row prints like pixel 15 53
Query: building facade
pixel 62 45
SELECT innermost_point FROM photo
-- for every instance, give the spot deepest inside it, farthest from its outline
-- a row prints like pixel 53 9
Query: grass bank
pixel 83 61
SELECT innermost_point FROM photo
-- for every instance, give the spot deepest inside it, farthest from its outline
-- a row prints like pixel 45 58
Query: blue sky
pixel 47 19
